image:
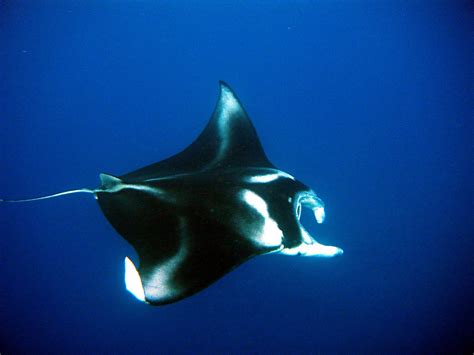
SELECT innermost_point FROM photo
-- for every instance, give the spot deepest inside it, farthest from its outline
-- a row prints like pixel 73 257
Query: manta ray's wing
pixel 197 215
pixel 229 140
pixel 188 226
pixel 182 247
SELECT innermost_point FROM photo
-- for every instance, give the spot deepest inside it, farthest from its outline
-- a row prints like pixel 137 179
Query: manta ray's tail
pixel 89 191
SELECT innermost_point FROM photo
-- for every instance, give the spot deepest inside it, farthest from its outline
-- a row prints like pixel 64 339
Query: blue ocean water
pixel 369 103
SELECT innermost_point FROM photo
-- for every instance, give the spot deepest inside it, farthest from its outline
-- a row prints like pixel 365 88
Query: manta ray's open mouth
pixel 311 201
pixel 309 246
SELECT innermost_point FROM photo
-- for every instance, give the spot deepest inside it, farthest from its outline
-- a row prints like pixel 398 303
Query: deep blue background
pixel 369 103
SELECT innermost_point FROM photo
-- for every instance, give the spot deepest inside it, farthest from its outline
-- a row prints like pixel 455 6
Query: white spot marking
pixel 269 177
pixel 133 282
pixel 270 233
pixel 160 285
pixel 230 103
pixel 229 106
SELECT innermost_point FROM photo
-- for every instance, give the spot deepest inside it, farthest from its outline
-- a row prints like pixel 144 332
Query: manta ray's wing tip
pixel 223 84
pixel 225 88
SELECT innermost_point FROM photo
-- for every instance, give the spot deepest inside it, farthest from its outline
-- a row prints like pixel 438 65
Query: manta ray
pixel 197 215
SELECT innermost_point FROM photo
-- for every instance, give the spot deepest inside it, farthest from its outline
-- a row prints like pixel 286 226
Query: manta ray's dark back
pixel 195 216
pixel 179 214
